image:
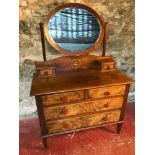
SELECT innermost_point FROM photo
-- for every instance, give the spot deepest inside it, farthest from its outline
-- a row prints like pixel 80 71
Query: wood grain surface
pixel 66 63
pixel 106 91
pixel 63 97
pixel 74 123
pixel 77 81
pixel 83 107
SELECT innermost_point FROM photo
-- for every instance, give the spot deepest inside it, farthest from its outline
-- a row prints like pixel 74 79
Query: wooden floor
pixel 99 141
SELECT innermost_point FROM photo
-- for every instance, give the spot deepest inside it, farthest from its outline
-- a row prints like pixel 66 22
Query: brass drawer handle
pixel 108 67
pixel 105 118
pixel 66 126
pixel 64 111
pixel 63 99
pixel 106 93
pixel 106 105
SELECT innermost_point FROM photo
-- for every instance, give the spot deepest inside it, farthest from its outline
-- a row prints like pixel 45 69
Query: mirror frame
pixel 68 52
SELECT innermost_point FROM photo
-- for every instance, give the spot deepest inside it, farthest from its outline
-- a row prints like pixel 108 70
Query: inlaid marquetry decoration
pixel 76 63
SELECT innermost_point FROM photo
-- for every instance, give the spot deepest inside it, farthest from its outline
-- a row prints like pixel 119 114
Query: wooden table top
pixel 78 80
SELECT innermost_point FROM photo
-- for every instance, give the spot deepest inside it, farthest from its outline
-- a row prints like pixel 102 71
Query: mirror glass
pixel 74 29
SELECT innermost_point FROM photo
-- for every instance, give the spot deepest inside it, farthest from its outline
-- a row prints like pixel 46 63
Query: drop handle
pixel 107 93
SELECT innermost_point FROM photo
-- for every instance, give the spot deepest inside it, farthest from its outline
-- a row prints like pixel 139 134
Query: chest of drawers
pixel 66 103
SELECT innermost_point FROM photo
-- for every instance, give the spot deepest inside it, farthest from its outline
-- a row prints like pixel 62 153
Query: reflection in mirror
pixel 74 29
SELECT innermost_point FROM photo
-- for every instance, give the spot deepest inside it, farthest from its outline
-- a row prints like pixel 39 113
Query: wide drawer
pixel 106 91
pixel 83 107
pixel 81 122
pixel 63 97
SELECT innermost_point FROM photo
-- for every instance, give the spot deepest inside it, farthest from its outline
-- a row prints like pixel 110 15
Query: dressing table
pixel 77 91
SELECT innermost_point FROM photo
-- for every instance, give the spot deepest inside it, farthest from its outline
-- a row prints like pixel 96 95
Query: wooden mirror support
pixel 43 41
pixel 78 91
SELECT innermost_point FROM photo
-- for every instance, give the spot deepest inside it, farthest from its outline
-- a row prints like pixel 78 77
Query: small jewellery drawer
pixel 63 97
pixel 83 121
pixel 106 91
pixel 83 107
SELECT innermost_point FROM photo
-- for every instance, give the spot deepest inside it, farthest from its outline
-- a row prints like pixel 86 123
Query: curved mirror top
pixel 74 29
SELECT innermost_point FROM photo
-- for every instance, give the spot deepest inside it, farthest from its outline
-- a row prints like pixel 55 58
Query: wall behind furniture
pixel 119 14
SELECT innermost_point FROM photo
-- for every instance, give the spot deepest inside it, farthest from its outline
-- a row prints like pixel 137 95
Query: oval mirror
pixel 73 29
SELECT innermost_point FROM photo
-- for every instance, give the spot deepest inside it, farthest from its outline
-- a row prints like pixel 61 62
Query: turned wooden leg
pixel 118 128
pixel 44 140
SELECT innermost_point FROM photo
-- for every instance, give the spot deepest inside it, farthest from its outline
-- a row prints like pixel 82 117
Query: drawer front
pixel 85 121
pixel 80 108
pixel 106 91
pixel 63 97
